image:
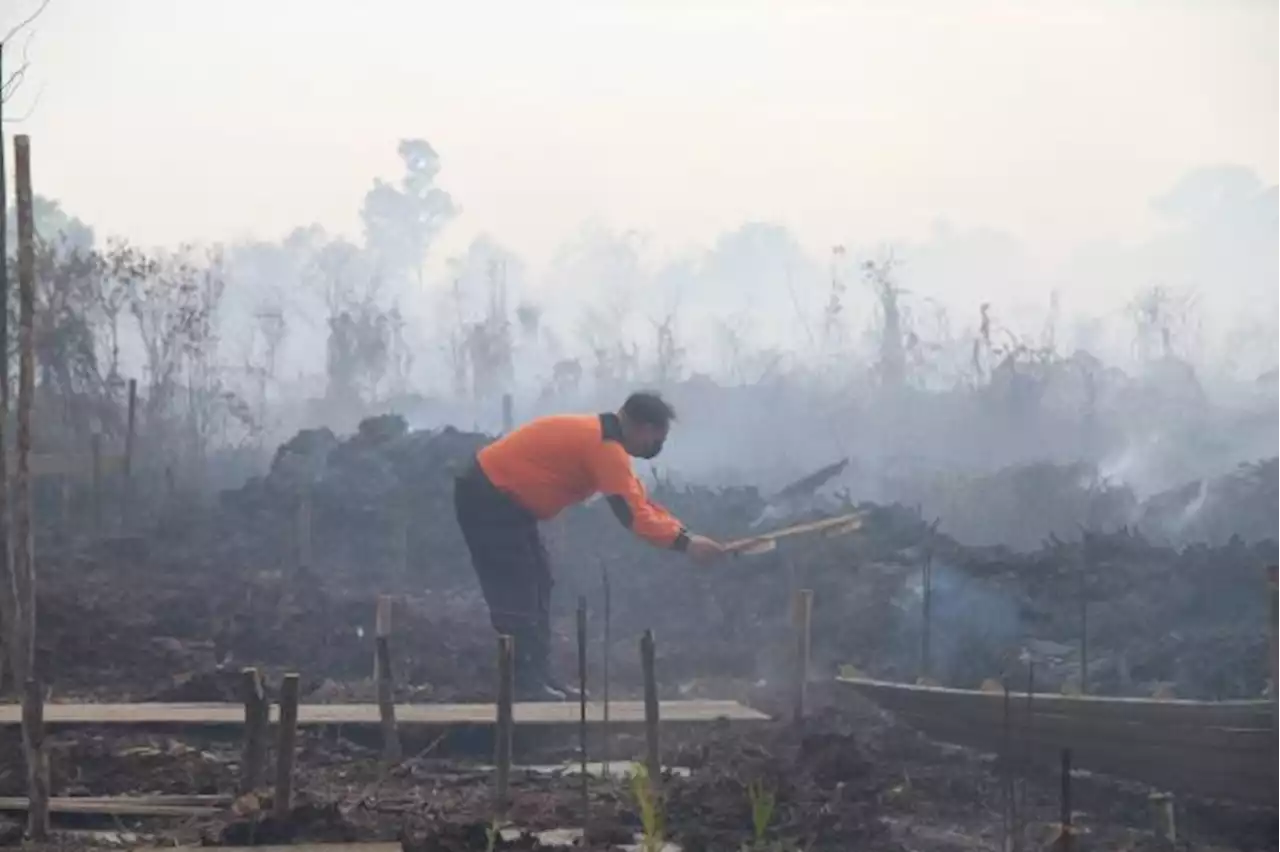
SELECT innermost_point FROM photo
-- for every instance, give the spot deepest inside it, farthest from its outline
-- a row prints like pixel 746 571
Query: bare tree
pixel 11 81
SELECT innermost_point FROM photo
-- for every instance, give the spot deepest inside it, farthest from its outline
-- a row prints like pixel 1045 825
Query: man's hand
pixel 704 550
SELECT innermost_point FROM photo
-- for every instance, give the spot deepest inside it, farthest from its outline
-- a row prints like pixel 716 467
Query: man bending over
pixel 531 475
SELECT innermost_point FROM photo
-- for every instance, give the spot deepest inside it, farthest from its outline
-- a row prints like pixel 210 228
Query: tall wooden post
pixel 256 716
pixel 23 629
pixel 653 748
pixel 23 544
pixel 37 770
pixel 286 746
pixel 386 685
pixel 1273 625
pixel 926 620
pixel 582 710
pixel 604 675
pixel 8 605
pixel 505 724
pixel 803 620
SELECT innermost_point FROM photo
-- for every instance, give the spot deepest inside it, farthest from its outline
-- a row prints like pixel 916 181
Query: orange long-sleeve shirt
pixel 553 462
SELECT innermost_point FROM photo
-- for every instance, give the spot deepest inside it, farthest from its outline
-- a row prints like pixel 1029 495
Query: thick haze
pixel 1054 122
pixel 1098 175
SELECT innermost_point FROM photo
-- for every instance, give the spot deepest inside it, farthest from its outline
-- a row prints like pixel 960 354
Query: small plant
pixel 650 808
pixel 762 804
pixel 491 835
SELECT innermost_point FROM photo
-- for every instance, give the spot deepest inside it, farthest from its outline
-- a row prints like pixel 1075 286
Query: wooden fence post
pixel 8 605
pixel 926 620
pixel 37 761
pixel 256 714
pixel 1273 626
pixel 386 685
pixel 23 629
pixel 582 710
pixel 286 746
pixel 653 747
pixel 803 626
pixel 23 566
pixel 505 723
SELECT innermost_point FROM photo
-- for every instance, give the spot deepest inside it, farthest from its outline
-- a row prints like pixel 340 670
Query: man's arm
pixel 631 504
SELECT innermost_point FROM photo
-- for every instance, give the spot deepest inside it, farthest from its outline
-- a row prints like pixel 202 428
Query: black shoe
pixel 571 693
pixel 540 690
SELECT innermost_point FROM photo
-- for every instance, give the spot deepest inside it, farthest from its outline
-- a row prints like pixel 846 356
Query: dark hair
pixel 648 408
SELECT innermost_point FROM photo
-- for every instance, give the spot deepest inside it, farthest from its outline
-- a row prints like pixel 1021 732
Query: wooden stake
pixel 391 752
pixel 926 619
pixel 653 750
pixel 286 746
pixel 1273 626
pixel 23 634
pixel 803 626
pixel 382 617
pixel 508 414
pixel 505 723
pixel 126 504
pixel 95 452
pixel 1084 635
pixel 1064 813
pixel 1164 817
pixel 608 652
pixel 582 710
pixel 1006 771
pixel 23 628
pixel 9 622
pixel 256 714
pixel 37 761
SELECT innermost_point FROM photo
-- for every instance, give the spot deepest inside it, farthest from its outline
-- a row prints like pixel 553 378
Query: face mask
pixel 652 452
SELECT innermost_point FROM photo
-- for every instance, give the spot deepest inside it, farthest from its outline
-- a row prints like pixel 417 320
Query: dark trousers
pixel 511 563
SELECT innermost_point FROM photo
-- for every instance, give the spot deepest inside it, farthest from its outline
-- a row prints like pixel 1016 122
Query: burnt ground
pixel 173 612
pixel 848 778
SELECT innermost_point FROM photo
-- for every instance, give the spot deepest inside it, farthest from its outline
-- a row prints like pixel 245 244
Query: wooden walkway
pixel 433 715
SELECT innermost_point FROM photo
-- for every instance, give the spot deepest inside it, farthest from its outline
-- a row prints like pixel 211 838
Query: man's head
pixel 645 417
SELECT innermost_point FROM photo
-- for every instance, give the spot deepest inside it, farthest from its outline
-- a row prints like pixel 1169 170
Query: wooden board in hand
pixel 769 541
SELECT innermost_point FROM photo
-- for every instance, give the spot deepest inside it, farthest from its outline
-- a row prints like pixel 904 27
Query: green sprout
pixel 491 835
pixel 650 809
pixel 762 805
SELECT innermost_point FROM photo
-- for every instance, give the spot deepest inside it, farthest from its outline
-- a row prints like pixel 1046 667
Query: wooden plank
pixel 939 700
pixel 842 524
pixel 372 846
pixel 533 713
pixel 153 806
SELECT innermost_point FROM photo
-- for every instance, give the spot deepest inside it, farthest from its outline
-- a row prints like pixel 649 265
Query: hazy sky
pixel 167 120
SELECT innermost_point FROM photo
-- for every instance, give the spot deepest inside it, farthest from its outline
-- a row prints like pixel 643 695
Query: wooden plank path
pixel 436 715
